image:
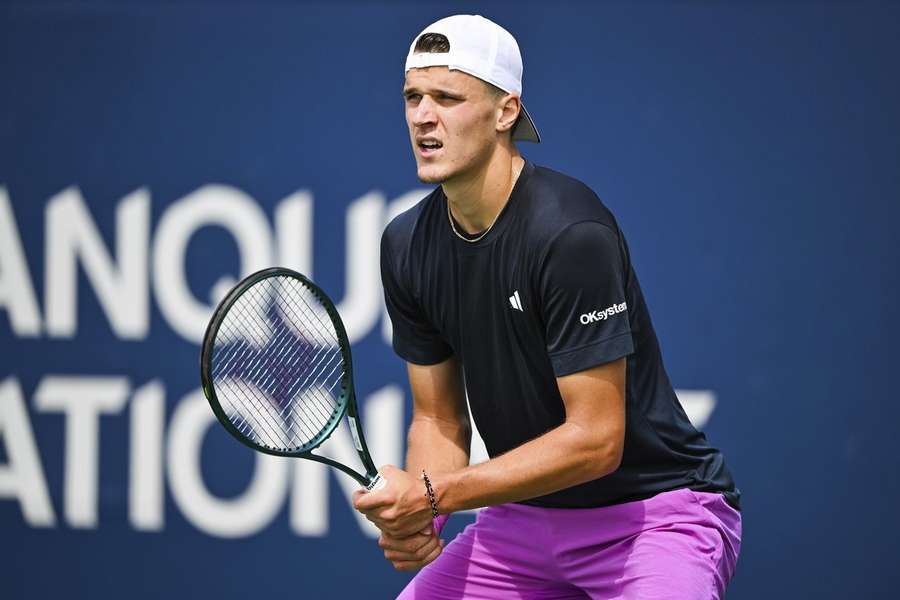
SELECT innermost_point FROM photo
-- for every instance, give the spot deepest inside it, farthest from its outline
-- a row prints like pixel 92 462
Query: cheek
pixel 471 137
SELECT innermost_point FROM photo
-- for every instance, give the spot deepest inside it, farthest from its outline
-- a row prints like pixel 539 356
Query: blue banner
pixel 151 154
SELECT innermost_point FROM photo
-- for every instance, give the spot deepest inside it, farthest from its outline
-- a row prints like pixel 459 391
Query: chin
pixel 430 174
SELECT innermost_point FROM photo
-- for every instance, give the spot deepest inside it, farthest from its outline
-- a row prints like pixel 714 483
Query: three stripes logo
pixel 515 301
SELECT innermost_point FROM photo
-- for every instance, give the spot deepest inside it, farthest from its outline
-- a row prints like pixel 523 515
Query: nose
pixel 424 112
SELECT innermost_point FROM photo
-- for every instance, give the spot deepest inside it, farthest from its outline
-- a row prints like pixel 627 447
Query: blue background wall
pixel 750 152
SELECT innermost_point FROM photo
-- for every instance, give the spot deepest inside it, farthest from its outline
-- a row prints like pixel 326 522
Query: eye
pixel 411 97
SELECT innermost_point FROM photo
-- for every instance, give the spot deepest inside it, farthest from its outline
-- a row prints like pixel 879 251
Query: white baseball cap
pixel 483 49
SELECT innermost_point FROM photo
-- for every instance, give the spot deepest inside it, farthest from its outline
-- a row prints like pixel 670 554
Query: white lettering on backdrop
pixel 140 264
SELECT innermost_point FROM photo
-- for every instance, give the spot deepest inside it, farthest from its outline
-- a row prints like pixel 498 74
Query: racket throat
pixel 377 483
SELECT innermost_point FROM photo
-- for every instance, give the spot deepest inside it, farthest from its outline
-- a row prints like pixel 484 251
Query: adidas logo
pixel 515 301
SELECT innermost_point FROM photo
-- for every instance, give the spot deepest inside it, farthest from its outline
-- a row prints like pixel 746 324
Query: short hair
pixel 437 43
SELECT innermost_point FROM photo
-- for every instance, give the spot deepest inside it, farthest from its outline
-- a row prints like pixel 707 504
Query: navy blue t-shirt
pixel 547 292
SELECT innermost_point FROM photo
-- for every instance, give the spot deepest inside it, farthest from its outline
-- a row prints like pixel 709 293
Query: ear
pixel 508 111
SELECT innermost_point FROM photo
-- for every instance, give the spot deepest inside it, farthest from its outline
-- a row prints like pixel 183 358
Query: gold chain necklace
pixel 497 216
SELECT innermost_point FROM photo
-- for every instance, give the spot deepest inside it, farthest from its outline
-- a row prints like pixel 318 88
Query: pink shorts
pixel 676 545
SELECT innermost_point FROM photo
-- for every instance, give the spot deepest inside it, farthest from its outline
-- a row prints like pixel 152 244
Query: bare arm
pixel 440 433
pixel 438 442
pixel 587 446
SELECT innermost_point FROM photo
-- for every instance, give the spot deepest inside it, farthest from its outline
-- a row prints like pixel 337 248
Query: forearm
pixel 563 457
pixel 437 446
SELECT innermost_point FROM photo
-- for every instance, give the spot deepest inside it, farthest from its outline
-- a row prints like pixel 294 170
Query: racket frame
pixel 346 399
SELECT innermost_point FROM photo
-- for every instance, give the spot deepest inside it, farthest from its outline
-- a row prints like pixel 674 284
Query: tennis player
pixel 512 283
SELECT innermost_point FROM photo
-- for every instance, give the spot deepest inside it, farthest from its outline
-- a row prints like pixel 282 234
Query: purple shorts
pixel 676 545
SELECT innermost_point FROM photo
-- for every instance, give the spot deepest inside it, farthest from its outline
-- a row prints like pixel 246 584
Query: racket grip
pixel 377 483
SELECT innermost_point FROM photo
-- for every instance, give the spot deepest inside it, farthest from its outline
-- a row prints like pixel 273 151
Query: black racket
pixel 276 369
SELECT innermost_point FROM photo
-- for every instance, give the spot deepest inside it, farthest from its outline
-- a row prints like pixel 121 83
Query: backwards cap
pixel 483 49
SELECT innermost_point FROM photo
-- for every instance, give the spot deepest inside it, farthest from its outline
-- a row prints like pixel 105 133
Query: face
pixel 452 119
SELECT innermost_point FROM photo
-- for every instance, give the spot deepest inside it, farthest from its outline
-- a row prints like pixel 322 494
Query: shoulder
pixel 557 203
pixel 410 226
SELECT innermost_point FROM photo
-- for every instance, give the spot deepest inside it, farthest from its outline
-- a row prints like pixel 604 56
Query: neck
pixel 477 198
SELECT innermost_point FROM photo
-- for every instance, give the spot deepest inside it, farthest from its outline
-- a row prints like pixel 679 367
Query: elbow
pixel 610 457
pixel 605 458
pixel 604 455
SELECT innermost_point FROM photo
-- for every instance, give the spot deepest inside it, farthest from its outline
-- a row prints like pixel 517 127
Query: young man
pixel 513 284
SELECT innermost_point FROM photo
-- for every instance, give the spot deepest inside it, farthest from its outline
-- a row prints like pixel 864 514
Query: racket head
pixel 275 365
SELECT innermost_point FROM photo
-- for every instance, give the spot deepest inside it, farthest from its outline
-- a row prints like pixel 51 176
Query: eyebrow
pixel 437 90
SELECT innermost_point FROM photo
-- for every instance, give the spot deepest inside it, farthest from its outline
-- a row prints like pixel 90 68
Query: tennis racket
pixel 276 369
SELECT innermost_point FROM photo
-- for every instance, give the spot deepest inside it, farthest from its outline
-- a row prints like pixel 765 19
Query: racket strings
pixel 279 433
pixel 336 359
pixel 276 363
pixel 276 370
pixel 236 386
pixel 278 376
pixel 271 430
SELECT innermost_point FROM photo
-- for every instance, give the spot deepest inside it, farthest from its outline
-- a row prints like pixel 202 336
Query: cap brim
pixel 524 129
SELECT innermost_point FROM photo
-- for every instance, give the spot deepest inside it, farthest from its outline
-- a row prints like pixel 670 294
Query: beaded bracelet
pixel 429 491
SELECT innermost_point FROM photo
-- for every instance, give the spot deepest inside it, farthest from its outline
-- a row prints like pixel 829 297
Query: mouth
pixel 429 147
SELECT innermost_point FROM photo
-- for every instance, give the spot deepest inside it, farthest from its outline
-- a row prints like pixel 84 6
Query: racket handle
pixel 377 483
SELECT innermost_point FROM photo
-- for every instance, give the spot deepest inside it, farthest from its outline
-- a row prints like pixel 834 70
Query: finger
pixel 406 554
pixel 407 526
pixel 405 530
pixel 413 565
pixel 371 500
pixel 411 553
pixel 425 549
pixel 358 495
pixel 377 517
pixel 386 470
pixel 410 544
pixel 435 552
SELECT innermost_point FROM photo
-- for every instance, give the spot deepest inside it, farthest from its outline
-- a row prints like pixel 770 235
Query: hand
pixel 399 509
pixel 413 552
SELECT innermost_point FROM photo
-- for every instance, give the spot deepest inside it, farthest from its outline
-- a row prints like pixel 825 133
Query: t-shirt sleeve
pixel 582 287
pixel 414 338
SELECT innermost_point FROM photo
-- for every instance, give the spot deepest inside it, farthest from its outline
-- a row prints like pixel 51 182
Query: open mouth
pixel 427 147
